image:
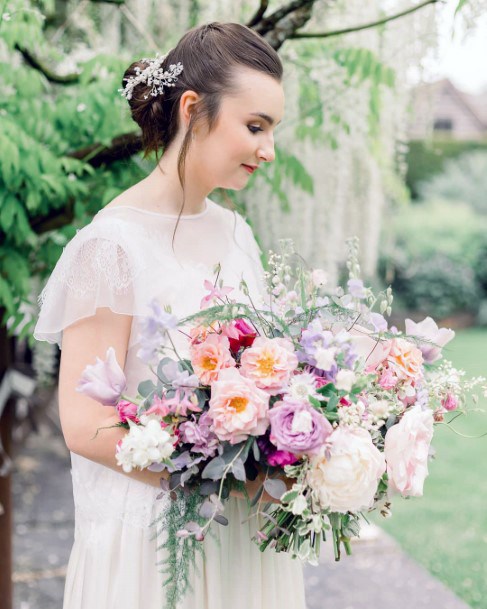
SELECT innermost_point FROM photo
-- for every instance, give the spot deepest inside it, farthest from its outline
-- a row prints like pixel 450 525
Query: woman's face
pixel 243 136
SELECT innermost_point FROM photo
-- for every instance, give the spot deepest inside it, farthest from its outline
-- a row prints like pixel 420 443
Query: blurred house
pixel 440 108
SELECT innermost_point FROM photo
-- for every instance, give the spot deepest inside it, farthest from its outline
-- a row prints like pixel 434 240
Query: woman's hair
pixel 209 54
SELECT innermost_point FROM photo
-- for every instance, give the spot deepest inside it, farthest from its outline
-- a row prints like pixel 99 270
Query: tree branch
pixel 108 1
pixel 259 13
pixel 34 62
pixel 284 22
pixel 364 26
pixel 121 147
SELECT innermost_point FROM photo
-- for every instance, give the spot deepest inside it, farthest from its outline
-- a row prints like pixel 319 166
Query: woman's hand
pixel 252 487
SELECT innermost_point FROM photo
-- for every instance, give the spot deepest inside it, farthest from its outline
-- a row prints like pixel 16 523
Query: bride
pixel 211 105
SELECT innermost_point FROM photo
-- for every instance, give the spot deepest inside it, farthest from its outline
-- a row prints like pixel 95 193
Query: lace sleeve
pixel 97 268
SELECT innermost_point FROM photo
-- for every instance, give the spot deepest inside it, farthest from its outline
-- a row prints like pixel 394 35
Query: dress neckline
pixel 160 214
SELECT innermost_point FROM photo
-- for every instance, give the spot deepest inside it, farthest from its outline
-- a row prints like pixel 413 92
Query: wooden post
pixel 6 421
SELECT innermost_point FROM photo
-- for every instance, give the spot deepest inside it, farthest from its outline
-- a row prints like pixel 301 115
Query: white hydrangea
pixel 144 445
pixel 353 415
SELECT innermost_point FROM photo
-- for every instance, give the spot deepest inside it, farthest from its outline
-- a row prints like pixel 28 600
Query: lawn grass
pixel 446 530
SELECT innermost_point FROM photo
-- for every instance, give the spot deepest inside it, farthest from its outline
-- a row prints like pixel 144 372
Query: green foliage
pixel 436 259
pixel 179 553
pixel 463 178
pixel 41 124
pixel 427 158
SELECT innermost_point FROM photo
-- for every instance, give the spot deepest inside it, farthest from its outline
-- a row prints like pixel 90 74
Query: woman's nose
pixel 267 153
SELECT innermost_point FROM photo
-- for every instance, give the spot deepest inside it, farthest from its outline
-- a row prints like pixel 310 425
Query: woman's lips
pixel 249 168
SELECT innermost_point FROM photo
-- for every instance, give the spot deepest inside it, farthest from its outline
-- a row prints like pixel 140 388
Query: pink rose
pixel 406 449
pixel 269 363
pixel 127 411
pixel 238 408
pixel 435 338
pixel 210 357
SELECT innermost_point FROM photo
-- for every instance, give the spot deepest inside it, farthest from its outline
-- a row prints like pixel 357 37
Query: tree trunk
pixel 6 420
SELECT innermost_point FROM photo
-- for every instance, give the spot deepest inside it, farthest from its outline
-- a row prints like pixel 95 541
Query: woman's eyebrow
pixel 265 116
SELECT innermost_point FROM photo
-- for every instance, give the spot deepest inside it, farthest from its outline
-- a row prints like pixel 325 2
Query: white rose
pixel 406 449
pixel 348 480
pixel 344 380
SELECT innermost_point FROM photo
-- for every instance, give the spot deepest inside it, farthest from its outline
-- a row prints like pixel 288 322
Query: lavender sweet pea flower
pixel 104 381
pixel 297 427
pixel 356 288
pixel 437 337
pixel 152 329
pixel 179 378
pixel 200 435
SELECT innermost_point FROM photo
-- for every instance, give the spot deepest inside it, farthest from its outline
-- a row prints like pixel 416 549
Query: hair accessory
pixel 154 76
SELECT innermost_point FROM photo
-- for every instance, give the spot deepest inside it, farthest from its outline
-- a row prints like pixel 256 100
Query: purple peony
pixel 297 427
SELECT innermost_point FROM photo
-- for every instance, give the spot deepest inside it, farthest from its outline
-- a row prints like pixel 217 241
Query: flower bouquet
pixel 310 393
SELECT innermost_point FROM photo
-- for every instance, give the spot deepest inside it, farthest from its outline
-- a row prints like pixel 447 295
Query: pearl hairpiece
pixel 154 76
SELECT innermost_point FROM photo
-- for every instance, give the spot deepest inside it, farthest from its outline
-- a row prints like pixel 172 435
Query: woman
pixel 211 105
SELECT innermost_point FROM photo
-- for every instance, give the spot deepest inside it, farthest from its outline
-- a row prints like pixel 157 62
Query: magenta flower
pixel 280 458
pixel 127 411
pixel 297 427
pixel 104 381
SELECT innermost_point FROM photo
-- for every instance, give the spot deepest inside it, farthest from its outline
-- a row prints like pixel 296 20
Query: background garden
pixel 352 159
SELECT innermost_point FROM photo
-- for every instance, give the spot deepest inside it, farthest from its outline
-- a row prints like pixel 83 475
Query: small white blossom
pixel 143 445
pixel 80 107
pixel 345 380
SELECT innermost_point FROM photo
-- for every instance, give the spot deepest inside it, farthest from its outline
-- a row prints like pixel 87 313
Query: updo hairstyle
pixel 209 54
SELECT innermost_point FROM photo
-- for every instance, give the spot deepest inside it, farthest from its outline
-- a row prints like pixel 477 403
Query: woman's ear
pixel 187 106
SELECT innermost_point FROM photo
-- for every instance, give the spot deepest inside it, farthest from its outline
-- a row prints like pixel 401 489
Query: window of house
pixel 443 124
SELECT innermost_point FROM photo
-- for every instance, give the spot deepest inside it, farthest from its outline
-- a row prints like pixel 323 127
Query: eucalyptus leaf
pixel 215 468
pixel 238 470
pixel 275 487
pixel 208 487
pixel 146 388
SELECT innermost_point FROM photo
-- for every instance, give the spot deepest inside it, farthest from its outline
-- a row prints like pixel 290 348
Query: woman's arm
pixel 80 415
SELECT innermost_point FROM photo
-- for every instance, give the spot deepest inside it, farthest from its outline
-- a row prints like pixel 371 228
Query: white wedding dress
pixel 122 260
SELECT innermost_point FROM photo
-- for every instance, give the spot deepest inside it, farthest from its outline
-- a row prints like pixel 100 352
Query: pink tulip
pixel 104 381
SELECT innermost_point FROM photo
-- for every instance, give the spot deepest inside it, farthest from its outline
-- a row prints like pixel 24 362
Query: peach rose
pixel 237 407
pixel 210 357
pixel 405 359
pixel 269 363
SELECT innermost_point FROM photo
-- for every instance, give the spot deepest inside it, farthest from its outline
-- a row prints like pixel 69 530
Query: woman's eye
pixel 254 128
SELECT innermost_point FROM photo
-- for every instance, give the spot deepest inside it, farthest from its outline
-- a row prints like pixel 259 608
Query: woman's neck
pixel 166 192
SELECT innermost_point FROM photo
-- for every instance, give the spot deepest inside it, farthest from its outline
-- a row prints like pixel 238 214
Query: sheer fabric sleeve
pixel 98 268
